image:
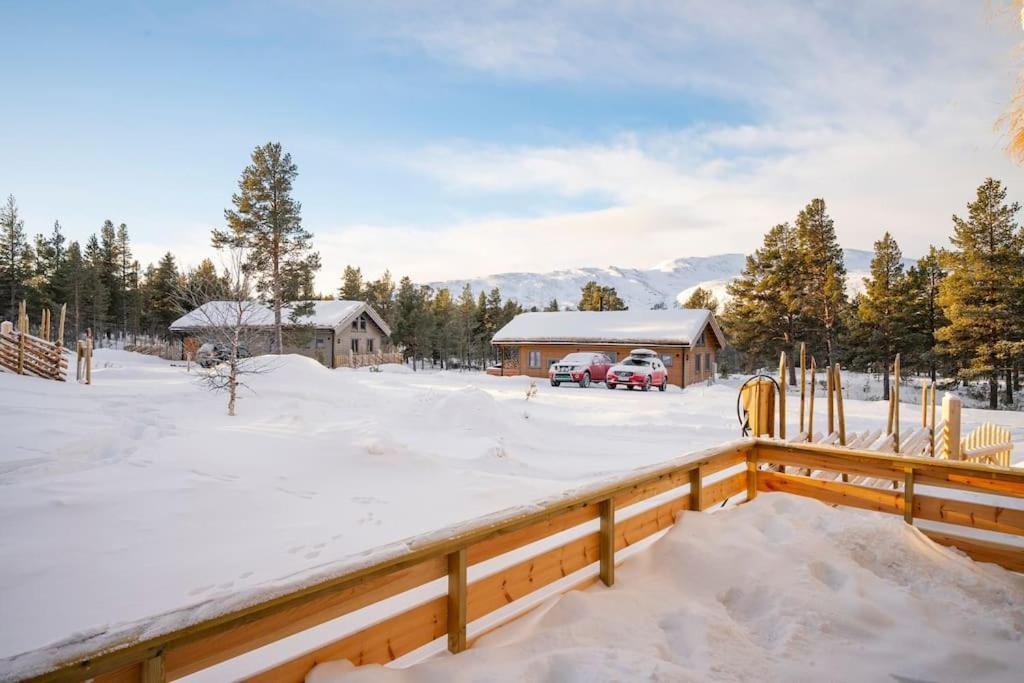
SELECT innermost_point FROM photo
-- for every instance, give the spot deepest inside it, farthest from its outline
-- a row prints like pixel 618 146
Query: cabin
pixel 337 333
pixel 687 340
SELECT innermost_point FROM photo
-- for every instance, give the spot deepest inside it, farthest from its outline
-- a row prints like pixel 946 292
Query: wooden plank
pixel 782 396
pixel 457 601
pixel 377 644
pixel 513 540
pixel 839 405
pixel 1007 556
pixel 723 489
pixel 830 394
pixel 810 406
pixel 908 496
pixel 154 670
pixel 835 493
pixel 752 474
pixel 803 383
pixel 639 527
pixel 607 549
pixel 129 674
pixel 206 651
pixel 971 514
pixel 510 584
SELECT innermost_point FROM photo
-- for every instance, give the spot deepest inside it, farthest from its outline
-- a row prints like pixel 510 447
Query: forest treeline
pixel 957 312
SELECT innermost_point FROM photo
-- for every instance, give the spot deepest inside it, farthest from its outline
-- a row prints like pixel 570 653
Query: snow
pixel 782 589
pixel 326 314
pixel 672 326
pixel 668 282
pixel 137 496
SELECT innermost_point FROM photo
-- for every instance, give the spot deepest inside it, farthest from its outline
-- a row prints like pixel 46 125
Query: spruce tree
pixel 882 309
pixel 126 275
pixel 267 221
pixel 924 314
pixel 982 294
pixel 702 299
pixel 75 284
pixel 552 306
pixel 15 255
pixel 822 275
pixel 595 297
pixel 351 284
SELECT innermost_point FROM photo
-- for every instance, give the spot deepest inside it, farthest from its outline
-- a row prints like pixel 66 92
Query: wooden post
pixel 751 475
pixel 896 409
pixel 457 601
pixel 782 396
pixel 810 406
pixel 154 670
pixel 60 324
pixel 931 449
pixel 837 386
pixel 924 405
pixel 828 394
pixel 696 489
pixel 803 381
pixel 908 496
pixel 951 429
pixel 88 360
pixel 22 336
pixel 606 552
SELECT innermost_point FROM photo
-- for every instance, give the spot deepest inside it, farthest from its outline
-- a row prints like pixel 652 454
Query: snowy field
pixel 138 495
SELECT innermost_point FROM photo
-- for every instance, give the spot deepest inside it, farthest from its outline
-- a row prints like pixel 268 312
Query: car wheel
pixel 610 386
pixel 555 383
pixel 585 382
pixel 664 385
pixel 647 383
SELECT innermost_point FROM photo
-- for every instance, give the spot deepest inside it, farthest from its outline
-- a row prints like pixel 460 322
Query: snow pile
pixel 784 588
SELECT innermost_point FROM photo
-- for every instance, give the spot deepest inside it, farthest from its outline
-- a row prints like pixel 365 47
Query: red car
pixel 642 369
pixel 583 368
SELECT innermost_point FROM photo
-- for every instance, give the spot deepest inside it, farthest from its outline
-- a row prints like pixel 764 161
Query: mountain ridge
pixel 669 282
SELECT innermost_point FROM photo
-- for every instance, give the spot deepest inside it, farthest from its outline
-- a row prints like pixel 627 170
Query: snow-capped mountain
pixel 669 282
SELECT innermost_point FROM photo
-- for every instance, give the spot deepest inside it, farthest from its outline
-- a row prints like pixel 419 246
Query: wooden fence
pixel 362 360
pixel 26 354
pixel 627 512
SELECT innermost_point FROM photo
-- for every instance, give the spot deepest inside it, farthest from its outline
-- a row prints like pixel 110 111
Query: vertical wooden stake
pixel 606 551
pixel 837 386
pixel 830 397
pixel 896 409
pixel 931 450
pixel 803 381
pixel 810 406
pixel 696 489
pixel 457 601
pixel 154 670
pixel 782 396
pixel 924 405
pixel 60 324
pixel 88 360
pixel 752 474
pixel 22 336
pixel 908 496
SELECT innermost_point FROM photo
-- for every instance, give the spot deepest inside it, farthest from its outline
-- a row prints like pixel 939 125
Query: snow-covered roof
pixel 326 314
pixel 672 326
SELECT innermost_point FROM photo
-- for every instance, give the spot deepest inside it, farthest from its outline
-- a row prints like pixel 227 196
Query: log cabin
pixel 687 340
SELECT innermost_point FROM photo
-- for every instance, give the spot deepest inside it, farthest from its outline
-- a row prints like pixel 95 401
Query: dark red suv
pixel 582 367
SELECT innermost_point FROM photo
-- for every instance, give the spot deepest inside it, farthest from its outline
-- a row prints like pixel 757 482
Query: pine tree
pixel 15 255
pixel 444 328
pixel 75 283
pixel 204 281
pixel 882 309
pixel 924 314
pixel 380 294
pixel 552 306
pixel 982 294
pixel 163 295
pixel 465 317
pixel 822 275
pixel 595 297
pixel 702 299
pixel 351 284
pixel 266 221
pixel 413 324
pixel 126 275
pixel 765 306
pixel 95 291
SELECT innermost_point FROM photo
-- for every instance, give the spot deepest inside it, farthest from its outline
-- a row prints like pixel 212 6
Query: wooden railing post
pixel 457 601
pixel 951 429
pixel 908 496
pixel 607 541
pixel 154 670
pixel 696 489
pixel 752 474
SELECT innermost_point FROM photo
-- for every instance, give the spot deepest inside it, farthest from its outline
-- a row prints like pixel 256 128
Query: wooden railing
pixel 592 527
pixel 361 360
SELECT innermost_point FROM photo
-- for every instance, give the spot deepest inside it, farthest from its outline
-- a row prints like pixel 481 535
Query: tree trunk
pixel 1009 386
pixel 885 383
pixel 1016 378
pixel 931 370
pixel 993 391
pixel 793 360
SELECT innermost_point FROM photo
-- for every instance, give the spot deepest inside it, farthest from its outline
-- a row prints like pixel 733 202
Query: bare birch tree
pixel 231 325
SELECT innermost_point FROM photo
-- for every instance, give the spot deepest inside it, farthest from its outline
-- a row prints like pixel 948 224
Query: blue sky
pixel 447 140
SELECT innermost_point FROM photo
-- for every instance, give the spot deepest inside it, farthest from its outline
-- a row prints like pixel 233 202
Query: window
pixel 355 324
pixel 696 363
pixel 321 342
pixel 707 362
pixel 533 359
pixel 362 323
pixel 369 346
pixel 355 346
pixel 666 358
pixel 700 340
